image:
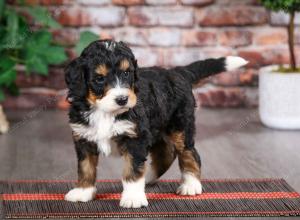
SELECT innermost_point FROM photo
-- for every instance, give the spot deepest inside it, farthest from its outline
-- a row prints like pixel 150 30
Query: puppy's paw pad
pixel 134 201
pixel 81 194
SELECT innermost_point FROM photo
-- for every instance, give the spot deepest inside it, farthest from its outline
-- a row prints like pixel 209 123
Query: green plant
pixel 291 7
pixel 19 44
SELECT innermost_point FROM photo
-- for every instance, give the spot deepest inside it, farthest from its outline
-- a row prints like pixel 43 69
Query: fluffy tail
pixel 204 68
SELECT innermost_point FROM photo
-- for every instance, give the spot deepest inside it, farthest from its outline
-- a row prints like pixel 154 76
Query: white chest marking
pixel 102 127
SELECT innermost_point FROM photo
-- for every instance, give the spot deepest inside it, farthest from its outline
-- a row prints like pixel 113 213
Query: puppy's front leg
pixel 133 195
pixel 87 168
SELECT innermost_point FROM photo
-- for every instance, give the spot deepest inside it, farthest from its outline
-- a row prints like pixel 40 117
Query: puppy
pixel 115 106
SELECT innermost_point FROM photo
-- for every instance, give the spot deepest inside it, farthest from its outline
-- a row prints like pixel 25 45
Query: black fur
pixel 165 101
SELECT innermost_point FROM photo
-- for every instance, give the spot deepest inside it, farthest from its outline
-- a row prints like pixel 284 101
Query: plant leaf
pixel 6 64
pixel 12 28
pixel 41 39
pixel 86 37
pixel 8 77
pixel 55 55
pixel 2 5
pixel 36 45
pixel 37 64
pixel 42 16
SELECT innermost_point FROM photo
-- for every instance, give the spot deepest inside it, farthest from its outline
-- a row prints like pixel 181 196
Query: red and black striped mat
pixel 45 199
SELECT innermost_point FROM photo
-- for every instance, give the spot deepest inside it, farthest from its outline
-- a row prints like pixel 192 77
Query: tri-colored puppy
pixel 118 107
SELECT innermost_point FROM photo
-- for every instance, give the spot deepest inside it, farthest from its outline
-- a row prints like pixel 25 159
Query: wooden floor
pixel 232 144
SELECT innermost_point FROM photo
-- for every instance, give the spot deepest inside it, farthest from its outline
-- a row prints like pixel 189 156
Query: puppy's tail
pixel 198 70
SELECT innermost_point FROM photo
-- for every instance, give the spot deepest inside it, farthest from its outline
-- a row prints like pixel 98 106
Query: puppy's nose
pixel 122 100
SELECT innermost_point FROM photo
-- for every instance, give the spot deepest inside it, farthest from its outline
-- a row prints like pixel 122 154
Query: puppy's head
pixel 104 77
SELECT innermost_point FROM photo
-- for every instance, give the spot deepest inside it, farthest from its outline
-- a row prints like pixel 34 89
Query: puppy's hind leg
pixel 87 168
pixel 162 156
pixel 190 165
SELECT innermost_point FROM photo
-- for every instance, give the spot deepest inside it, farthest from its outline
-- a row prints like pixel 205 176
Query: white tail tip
pixel 233 62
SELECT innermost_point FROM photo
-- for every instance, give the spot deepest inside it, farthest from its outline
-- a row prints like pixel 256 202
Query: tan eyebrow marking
pixel 124 64
pixel 102 70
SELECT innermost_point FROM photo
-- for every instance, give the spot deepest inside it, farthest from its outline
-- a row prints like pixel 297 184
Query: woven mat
pixel 45 199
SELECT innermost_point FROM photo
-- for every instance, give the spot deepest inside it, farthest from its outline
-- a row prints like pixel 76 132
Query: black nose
pixel 122 100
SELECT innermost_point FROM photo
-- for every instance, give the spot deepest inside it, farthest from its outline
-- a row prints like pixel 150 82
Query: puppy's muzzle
pixel 122 100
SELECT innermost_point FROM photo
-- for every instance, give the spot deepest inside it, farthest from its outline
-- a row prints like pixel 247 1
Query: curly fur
pixel 158 114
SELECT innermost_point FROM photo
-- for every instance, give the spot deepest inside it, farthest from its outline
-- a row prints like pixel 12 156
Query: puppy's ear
pixel 76 80
pixel 135 69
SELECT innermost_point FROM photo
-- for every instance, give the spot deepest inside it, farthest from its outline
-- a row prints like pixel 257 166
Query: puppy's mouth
pixel 117 101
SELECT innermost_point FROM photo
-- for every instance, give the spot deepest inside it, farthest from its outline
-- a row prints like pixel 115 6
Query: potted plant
pixel 279 85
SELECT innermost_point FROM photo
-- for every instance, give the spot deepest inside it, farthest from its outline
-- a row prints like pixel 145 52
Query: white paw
pixel 81 194
pixel 190 186
pixel 134 200
pixel 133 195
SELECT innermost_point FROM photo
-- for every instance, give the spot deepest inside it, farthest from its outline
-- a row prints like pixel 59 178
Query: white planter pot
pixel 279 98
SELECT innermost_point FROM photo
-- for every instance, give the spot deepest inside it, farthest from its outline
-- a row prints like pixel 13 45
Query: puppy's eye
pixel 99 79
pixel 125 74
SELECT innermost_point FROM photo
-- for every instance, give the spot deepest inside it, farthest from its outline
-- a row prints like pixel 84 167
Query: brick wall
pixel 169 33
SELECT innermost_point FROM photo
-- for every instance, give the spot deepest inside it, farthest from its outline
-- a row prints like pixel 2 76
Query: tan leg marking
pixel 87 171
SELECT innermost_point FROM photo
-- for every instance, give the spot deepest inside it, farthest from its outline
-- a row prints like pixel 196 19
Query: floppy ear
pixel 75 80
pixel 135 69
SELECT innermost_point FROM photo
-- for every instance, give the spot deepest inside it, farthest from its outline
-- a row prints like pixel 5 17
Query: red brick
pixel 297 36
pixel 254 56
pixel 164 37
pixel 232 16
pixel 198 38
pixel 276 55
pixel 149 16
pixel 65 36
pixel 297 53
pixel 241 77
pixel 270 36
pixel 235 38
pixel 55 2
pixel 32 98
pixel 104 16
pixel 226 79
pixel 265 56
pixel 248 77
pixel 221 97
pixel 73 16
pixel 197 2
pixel 54 80
pixel 128 2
